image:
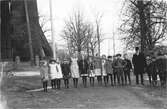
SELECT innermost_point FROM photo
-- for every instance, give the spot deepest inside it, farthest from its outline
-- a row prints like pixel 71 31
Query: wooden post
pixel 52 30
pixel 113 43
pixel 0 34
pixel 29 33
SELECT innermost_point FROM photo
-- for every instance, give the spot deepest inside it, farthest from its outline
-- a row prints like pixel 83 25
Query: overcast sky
pixel 111 10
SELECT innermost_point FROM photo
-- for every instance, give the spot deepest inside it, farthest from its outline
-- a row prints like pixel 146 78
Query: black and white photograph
pixel 83 54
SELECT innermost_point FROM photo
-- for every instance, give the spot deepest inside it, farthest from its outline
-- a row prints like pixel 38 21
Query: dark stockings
pixel 66 83
pixel 45 85
pixel 105 80
pixel 84 80
pixel 92 79
pixel 75 81
pixel 99 79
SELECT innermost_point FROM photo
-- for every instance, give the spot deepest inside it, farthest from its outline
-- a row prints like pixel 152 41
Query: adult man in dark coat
pixel 139 63
pixel 65 66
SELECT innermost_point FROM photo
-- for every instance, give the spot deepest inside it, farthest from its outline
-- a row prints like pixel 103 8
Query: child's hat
pixel 118 54
pixel 52 60
pixel 43 62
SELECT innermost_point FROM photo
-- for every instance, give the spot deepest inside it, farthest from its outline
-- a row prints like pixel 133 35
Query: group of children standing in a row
pixel 113 68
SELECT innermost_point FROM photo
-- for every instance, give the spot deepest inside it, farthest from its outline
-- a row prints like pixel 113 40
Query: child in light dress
pixel 91 71
pixel 104 73
pixel 74 70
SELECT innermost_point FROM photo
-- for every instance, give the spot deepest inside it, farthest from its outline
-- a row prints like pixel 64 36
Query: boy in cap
pixel 119 65
pixel 127 69
pixel 109 69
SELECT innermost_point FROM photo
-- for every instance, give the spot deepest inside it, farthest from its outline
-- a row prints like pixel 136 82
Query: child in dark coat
pixel 109 69
pixel 152 69
pixel 44 72
pixel 91 71
pixel 66 72
pixel 127 69
pixel 119 65
pixel 149 68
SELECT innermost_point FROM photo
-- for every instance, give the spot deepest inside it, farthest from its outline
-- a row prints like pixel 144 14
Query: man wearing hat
pixel 139 63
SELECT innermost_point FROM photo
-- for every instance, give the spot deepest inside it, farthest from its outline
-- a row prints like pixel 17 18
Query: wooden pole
pixel 113 43
pixel 29 33
pixel 52 30
pixel 108 47
pixel 0 34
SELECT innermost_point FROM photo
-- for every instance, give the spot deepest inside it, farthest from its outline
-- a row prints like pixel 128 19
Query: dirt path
pixel 118 97
pixel 88 98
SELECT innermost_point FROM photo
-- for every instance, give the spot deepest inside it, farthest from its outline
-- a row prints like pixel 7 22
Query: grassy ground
pixel 118 97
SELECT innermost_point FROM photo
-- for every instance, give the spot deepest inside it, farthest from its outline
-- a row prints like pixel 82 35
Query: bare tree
pixel 98 30
pixel 93 40
pixel 75 32
pixel 144 23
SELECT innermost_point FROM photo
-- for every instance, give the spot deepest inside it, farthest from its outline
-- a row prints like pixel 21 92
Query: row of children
pixel 113 68
pixel 157 66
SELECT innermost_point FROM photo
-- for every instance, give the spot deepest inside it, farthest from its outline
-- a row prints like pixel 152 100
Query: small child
pixel 74 69
pixel 52 72
pixel 119 65
pixel 91 71
pixel 109 69
pixel 59 74
pixel 148 62
pixel 66 72
pixel 152 71
pixel 127 68
pixel 98 73
pixel 44 74
pixel 104 73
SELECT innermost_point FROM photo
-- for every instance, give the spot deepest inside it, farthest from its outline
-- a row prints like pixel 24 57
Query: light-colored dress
pixel 74 68
pixel 97 69
pixel 59 73
pixel 104 73
pixel 52 71
pixel 92 73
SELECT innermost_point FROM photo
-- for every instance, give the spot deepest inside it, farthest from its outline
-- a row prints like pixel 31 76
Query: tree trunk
pixel 143 28
pixel 29 33
pixel 98 38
